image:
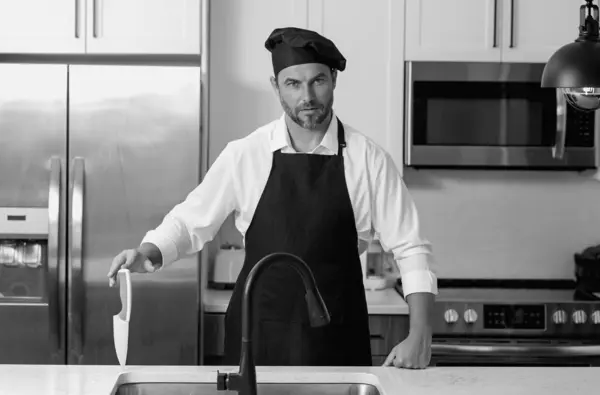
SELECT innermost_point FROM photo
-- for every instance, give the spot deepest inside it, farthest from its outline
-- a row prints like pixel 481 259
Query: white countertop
pixel 386 301
pixel 103 380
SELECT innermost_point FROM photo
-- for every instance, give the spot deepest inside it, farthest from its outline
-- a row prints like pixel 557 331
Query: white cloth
pixel 235 182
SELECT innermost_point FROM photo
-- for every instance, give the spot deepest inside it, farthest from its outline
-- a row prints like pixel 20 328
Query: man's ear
pixel 274 84
pixel 334 77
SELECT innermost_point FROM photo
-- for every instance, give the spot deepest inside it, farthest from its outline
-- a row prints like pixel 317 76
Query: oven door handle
pixel 513 350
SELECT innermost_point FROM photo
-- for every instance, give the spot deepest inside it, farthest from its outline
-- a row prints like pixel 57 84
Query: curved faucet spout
pixel 244 382
pixel 317 311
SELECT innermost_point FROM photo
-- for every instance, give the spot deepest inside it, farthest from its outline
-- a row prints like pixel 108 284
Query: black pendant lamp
pixel 575 67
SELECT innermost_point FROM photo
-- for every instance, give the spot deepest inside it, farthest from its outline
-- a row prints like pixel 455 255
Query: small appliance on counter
pixel 587 273
pixel 379 269
pixel 228 264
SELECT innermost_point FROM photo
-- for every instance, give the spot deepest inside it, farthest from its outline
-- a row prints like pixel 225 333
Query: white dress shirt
pixel 235 182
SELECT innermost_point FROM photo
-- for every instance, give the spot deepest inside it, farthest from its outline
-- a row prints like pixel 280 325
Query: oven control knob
pixel 559 317
pixel 596 317
pixel 470 316
pixel 451 316
pixel 579 317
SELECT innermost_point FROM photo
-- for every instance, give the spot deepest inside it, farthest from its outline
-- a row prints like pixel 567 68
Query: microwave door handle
pixel 558 150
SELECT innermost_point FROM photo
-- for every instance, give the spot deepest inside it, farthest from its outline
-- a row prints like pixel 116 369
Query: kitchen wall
pixel 482 223
pixel 494 224
pixel 514 224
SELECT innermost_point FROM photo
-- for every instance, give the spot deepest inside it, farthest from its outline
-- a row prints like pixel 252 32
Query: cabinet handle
pixel 377 337
pixel 512 24
pixel 97 21
pixel 78 18
pixel 495 34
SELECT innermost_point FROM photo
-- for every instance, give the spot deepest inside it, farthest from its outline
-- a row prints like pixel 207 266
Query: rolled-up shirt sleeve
pixel 396 224
pixel 195 221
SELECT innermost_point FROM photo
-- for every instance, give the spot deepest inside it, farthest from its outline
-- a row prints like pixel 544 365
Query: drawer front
pixel 378 360
pixel 386 332
pixel 214 334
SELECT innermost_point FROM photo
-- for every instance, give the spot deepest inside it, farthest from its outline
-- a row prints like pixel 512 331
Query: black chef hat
pixel 290 46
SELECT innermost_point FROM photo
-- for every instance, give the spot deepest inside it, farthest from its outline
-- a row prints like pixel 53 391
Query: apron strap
pixel 341 137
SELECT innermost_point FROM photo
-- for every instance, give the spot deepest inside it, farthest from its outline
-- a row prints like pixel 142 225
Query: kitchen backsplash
pixel 515 224
pixel 495 224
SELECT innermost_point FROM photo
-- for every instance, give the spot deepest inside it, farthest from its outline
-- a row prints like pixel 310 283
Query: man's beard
pixel 314 119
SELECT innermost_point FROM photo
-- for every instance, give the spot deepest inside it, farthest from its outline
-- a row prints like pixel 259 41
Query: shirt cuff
pixel 419 281
pixel 167 248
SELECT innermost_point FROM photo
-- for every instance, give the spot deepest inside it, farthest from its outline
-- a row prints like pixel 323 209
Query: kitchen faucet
pixel 244 382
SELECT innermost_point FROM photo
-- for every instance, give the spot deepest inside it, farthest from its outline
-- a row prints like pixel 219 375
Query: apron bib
pixel 304 210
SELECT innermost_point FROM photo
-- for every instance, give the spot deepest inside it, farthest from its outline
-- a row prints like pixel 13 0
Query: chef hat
pixel 291 46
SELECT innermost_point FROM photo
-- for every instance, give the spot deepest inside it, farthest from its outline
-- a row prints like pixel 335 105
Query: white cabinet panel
pixel 42 26
pixel 534 29
pixel 241 97
pixel 448 30
pixel 143 26
pixel 369 92
pixel 489 30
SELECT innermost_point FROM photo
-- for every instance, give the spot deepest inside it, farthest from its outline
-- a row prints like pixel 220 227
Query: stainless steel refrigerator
pixel 91 158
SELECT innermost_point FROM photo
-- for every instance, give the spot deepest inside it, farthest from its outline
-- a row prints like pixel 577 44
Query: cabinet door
pixel 241 96
pixel 452 30
pixel 369 93
pixel 143 26
pixel 42 26
pixel 534 29
pixel 387 331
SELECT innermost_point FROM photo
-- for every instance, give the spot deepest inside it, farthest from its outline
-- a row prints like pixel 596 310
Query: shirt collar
pixel 280 137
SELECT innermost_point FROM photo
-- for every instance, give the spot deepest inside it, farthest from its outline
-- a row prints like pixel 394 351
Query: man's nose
pixel 308 93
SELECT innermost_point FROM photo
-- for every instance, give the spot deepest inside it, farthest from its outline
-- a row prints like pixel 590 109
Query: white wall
pixel 506 224
pixel 482 223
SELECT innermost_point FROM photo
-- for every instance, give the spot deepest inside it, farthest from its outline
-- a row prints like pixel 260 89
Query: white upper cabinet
pixel 534 29
pixel 489 30
pixel 448 30
pixel 101 26
pixel 241 96
pixel 143 26
pixel 42 26
pixel 369 93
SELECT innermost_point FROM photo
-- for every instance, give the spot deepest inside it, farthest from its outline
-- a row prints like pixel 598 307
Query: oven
pixel 496 322
pixel 492 115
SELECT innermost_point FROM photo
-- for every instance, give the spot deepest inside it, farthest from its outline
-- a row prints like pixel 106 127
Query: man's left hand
pixel 414 352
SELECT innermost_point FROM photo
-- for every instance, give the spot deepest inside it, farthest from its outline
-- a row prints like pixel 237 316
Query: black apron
pixel 305 210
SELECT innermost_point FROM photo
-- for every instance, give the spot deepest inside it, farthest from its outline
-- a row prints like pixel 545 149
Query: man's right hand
pixel 132 259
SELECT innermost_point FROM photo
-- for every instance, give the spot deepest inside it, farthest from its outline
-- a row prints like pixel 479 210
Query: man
pixel 309 185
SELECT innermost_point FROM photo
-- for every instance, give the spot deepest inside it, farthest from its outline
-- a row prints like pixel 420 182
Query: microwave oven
pixel 480 114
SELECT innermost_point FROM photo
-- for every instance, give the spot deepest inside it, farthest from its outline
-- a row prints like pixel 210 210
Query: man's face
pixel 306 93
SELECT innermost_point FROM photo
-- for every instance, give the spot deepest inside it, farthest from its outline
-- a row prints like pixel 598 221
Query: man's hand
pixel 145 259
pixel 414 352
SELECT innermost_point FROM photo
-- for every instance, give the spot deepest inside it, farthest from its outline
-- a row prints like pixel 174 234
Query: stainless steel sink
pixel 263 389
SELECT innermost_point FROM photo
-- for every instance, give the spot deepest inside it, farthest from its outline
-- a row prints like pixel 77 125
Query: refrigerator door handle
pixel 53 253
pixel 74 275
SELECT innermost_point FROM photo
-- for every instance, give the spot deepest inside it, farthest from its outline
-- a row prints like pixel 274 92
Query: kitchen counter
pixel 386 301
pixel 103 380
